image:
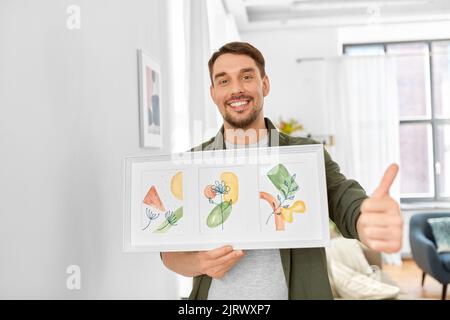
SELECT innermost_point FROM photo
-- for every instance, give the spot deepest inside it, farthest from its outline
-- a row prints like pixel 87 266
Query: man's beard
pixel 242 123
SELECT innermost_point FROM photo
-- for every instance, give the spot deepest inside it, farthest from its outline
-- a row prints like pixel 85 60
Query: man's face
pixel 238 89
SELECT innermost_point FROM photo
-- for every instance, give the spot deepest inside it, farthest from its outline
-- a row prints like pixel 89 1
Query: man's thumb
pixel 386 182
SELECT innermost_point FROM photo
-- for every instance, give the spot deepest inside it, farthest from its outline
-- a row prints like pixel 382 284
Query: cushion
pixel 351 284
pixel 349 253
pixel 441 232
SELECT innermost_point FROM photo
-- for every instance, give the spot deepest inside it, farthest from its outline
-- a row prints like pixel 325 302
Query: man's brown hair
pixel 243 48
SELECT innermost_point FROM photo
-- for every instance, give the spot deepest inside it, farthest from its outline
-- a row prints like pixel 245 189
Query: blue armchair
pixel 424 252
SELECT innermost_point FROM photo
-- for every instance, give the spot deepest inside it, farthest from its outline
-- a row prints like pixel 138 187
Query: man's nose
pixel 236 87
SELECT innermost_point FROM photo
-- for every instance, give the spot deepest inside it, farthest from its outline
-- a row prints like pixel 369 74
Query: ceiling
pixel 269 14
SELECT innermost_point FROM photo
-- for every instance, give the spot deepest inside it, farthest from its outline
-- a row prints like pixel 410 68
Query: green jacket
pixel 305 269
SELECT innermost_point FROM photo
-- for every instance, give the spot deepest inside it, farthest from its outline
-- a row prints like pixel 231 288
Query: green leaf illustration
pixel 219 214
pixel 281 178
pixel 171 220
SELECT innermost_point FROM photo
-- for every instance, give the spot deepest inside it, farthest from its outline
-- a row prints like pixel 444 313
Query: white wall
pixel 68 115
pixel 297 89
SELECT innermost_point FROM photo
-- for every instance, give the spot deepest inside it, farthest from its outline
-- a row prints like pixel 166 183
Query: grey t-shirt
pixel 258 275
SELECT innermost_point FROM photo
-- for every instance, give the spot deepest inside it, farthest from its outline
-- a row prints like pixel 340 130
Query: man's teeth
pixel 238 104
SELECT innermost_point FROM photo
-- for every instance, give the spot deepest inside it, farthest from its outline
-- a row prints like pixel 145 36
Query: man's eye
pixel 247 77
pixel 222 82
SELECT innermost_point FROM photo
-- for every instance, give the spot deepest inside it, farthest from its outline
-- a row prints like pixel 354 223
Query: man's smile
pixel 238 105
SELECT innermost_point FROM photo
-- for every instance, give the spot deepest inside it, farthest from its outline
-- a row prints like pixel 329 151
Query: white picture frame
pixel 150 102
pixel 251 222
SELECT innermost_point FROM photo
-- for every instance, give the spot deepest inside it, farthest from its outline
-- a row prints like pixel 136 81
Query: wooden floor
pixel 408 276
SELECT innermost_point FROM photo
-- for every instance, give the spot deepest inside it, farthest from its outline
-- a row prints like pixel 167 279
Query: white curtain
pixel 363 116
pixel 179 57
pixel 198 27
pixel 193 113
pixel 203 111
pixel 222 25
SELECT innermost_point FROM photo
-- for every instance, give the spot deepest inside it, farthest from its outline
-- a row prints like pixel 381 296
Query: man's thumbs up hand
pixel 380 224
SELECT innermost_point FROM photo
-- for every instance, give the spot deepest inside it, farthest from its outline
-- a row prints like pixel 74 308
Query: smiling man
pixel 240 102
pixel 239 84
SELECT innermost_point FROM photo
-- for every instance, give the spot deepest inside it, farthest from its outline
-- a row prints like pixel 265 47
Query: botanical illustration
pixel 284 205
pixel 223 194
pixel 157 208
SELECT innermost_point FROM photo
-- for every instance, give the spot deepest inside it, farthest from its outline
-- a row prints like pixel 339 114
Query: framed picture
pixel 251 199
pixel 150 105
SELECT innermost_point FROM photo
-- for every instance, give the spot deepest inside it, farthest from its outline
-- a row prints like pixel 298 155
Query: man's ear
pixel 266 85
pixel 212 93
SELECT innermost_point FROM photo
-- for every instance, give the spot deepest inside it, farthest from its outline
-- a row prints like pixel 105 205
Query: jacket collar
pixel 276 138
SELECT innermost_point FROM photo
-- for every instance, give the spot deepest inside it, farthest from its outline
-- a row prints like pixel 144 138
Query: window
pixel 423 82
